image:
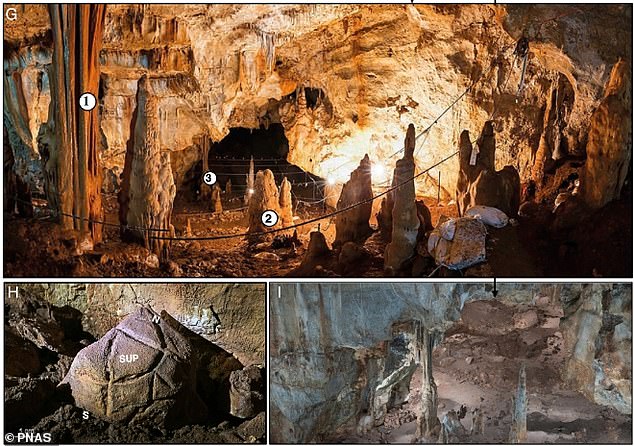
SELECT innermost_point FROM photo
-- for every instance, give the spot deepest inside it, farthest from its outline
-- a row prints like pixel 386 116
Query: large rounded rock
pixel 149 368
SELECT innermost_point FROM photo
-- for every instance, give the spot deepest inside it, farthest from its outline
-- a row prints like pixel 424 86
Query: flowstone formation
pixel 147 192
pixel 354 225
pixel 609 147
pixel 478 181
pixel 151 368
pixel 405 220
pixel 75 193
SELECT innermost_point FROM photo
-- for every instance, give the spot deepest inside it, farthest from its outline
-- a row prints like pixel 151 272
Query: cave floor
pixel 38 247
pixel 477 366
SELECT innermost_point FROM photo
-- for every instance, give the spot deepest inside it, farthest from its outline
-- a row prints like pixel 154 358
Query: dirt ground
pixel 37 247
pixel 477 366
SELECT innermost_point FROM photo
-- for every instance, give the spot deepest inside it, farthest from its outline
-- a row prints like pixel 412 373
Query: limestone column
pixel 405 220
pixel 427 421
pixel 354 225
pixel 147 191
pixel 77 35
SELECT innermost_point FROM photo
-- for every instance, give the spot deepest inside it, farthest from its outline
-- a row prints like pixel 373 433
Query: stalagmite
pixel 188 228
pixel 216 198
pixel 74 166
pixel 354 225
pixel 427 421
pixel 609 147
pixel 405 220
pixel 250 182
pixel 479 183
pixel 266 197
pixel 286 203
pixel 147 190
pixel 518 432
pixel 228 190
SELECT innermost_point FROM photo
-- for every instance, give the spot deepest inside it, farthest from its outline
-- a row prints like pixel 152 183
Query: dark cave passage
pixel 230 159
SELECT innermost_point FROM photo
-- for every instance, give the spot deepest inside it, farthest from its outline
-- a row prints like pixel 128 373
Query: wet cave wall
pixel 344 352
pixel 377 68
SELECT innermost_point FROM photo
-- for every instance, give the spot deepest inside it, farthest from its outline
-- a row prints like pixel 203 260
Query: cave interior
pixel 450 363
pixel 376 133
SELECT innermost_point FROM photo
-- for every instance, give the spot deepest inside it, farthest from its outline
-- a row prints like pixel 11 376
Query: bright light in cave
pixel 379 173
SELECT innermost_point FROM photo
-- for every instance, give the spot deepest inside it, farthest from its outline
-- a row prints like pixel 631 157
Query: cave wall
pixel 379 67
pixel 240 309
pixel 330 344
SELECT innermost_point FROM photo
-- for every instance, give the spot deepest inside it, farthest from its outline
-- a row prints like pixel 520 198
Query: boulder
pixel 247 392
pixel 458 243
pixel 150 368
pixel 488 215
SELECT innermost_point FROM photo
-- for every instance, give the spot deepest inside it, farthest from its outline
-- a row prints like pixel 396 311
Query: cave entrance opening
pixel 268 146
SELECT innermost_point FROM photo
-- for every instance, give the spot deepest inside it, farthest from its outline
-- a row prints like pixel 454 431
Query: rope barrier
pixel 91 220
pixel 307 222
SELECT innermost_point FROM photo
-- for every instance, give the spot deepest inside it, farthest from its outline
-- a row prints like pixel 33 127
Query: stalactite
pixel 77 35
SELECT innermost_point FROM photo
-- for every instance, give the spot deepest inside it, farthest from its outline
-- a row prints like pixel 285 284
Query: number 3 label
pixel 209 178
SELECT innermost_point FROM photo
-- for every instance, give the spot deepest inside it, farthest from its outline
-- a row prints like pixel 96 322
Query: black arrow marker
pixel 495 289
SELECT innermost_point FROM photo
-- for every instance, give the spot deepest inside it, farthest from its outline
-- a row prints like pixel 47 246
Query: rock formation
pixel 286 204
pixel 354 225
pixel 405 221
pixel 247 392
pixel 265 197
pixel 519 408
pixel 147 191
pixel 478 181
pixel 148 368
pixel 609 148
pixel 216 200
pixel 75 192
pixel 228 189
pixel 458 243
pixel 427 421
pixel 597 321
pixel 250 183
